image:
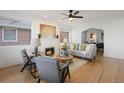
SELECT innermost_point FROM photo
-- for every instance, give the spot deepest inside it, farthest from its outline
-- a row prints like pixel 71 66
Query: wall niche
pixel 47 31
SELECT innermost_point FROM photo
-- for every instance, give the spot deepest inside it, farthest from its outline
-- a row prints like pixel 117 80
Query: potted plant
pixel 64 48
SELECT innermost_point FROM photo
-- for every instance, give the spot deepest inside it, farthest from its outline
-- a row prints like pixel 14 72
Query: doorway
pixel 94 36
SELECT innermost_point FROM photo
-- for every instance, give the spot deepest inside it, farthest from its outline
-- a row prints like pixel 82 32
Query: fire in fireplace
pixel 49 51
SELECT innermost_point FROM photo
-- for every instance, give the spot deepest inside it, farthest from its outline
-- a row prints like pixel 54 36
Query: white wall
pixel 114 38
pixel 77 32
pixel 35 29
pixel 10 55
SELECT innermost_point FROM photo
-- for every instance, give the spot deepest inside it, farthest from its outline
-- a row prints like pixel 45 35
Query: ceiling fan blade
pixel 64 14
pixel 77 16
pixel 76 12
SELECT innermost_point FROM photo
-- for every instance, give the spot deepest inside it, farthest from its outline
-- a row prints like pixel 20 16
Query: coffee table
pixel 65 60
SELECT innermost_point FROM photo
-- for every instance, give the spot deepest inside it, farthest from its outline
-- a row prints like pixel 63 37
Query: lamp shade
pixel 36 42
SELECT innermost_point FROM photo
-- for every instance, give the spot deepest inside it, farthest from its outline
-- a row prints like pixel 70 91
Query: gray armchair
pixel 28 63
pixel 26 59
pixel 50 70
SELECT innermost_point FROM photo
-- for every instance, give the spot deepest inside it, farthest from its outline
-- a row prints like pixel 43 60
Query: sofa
pixel 86 51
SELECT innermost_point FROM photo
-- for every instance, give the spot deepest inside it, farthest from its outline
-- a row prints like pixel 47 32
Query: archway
pixel 95 36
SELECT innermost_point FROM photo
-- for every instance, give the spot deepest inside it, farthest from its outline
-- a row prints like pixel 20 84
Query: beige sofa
pixel 89 52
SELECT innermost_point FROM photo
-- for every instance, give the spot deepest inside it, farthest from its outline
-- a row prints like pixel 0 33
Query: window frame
pixel 3 30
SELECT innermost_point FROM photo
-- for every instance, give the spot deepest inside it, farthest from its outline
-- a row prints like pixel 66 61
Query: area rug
pixel 77 64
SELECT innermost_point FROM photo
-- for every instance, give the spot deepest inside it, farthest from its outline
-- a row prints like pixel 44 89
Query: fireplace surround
pixel 50 43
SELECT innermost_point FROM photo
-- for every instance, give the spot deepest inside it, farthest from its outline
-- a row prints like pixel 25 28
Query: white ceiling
pixel 5 21
pixel 54 15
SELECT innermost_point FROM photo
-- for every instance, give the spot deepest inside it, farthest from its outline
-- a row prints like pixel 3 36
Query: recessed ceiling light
pixel 45 16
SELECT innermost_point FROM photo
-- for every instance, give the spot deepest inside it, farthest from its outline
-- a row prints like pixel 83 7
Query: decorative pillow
pixel 76 46
pixel 71 46
pixel 88 48
pixel 79 46
pixel 83 47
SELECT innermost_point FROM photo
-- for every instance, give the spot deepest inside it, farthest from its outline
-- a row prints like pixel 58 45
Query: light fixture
pixel 71 19
pixel 45 16
pixel 35 43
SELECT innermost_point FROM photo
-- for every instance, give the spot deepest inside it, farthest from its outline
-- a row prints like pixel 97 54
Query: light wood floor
pixel 102 70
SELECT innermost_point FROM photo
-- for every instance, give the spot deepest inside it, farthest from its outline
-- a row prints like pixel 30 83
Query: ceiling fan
pixel 71 15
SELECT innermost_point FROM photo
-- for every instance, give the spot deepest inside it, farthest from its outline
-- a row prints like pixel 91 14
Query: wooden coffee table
pixel 64 59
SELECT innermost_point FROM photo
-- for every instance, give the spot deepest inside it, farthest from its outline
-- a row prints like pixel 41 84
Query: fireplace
pixel 49 51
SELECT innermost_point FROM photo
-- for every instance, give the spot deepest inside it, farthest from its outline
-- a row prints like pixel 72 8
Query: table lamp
pixel 36 42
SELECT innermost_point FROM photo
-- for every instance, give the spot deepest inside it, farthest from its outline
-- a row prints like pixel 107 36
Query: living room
pixel 54 28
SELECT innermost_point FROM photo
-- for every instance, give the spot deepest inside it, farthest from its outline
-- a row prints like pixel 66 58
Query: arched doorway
pixel 96 36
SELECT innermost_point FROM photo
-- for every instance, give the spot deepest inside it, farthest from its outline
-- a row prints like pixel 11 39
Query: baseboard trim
pixel 8 65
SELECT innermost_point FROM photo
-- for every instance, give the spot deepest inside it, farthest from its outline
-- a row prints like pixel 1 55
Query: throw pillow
pixel 71 46
pixel 88 48
pixel 83 47
pixel 75 46
pixel 79 46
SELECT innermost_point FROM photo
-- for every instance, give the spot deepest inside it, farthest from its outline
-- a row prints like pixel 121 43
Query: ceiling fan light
pixel 71 19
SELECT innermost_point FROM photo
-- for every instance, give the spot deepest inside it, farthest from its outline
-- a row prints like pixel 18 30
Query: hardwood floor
pixel 102 70
pixel 13 75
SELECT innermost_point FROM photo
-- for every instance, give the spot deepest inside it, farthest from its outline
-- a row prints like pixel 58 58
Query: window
pixel 14 36
pixel 9 34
